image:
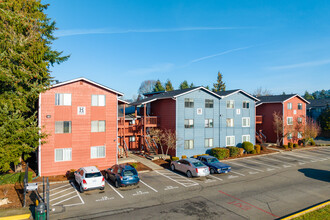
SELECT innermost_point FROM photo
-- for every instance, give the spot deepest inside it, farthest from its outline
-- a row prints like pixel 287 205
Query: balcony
pixel 259 119
pixel 151 121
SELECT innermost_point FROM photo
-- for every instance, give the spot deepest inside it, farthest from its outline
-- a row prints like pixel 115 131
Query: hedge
pixel 175 158
pixel 248 146
pixel 257 148
pixel 220 152
pixel 295 145
pixel 290 145
pixel 12 178
pixel 233 151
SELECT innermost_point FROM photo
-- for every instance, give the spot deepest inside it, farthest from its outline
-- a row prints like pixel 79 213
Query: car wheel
pixel 172 167
pixel 117 184
pixel 212 171
pixel 102 188
pixel 81 189
pixel 106 176
pixel 189 175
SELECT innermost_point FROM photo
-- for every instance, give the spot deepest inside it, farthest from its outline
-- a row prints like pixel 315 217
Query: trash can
pixel 40 213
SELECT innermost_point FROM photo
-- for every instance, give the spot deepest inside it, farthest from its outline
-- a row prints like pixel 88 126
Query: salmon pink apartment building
pixel 80 120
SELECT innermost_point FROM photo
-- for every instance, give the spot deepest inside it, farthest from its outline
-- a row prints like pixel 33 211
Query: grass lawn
pixel 323 213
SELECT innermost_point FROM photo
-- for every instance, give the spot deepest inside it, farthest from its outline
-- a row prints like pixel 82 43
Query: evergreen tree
pixel 168 86
pixel 324 119
pixel 158 87
pixel 184 85
pixel 207 87
pixel 191 85
pixel 308 96
pixel 219 85
pixel 25 56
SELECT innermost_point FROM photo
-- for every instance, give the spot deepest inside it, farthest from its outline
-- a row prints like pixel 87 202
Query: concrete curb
pixel 16 217
pixel 311 148
pixel 306 211
pixel 260 155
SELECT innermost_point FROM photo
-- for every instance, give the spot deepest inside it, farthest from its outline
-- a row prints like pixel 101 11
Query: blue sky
pixel 277 45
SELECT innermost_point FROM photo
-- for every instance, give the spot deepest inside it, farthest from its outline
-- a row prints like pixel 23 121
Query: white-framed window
pixel 63 154
pixel 208 142
pixel 299 135
pixel 131 138
pixel 246 104
pixel 188 103
pixel 299 106
pixel 208 123
pixel 62 99
pixel 289 105
pixel 98 126
pixel 299 120
pixel 289 136
pixel 97 152
pixel 62 127
pixel 209 103
pixel 98 100
pixel 189 144
pixel 188 123
pixel 289 120
pixel 245 138
pixel 246 122
pixel 230 122
pixel 230 140
pixel 230 104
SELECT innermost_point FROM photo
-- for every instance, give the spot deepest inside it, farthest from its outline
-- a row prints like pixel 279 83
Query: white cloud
pixel 298 65
pixel 163 67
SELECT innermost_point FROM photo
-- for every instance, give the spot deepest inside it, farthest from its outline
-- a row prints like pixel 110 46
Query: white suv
pixel 89 178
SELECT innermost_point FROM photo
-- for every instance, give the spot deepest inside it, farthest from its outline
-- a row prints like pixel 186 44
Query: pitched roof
pixel 171 94
pixel 234 91
pixel 318 103
pixel 278 98
pixel 89 81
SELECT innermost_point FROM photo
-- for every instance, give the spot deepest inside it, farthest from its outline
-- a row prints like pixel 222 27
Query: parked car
pixel 122 175
pixel 191 167
pixel 215 165
pixel 89 178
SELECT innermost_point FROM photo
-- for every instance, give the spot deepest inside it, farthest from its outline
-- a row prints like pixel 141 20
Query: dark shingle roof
pixel 318 103
pixel 276 98
pixel 228 92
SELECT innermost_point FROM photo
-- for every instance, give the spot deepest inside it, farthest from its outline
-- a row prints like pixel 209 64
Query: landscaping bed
pixel 323 213
pixel 14 193
pixel 139 166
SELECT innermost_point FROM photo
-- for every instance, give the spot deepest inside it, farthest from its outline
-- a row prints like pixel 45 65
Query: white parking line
pixel 62 196
pixel 57 188
pixel 65 200
pixel 192 183
pixel 300 161
pixel 115 189
pixel 290 164
pixel 264 164
pixel 245 166
pixel 306 156
pixel 82 201
pixel 237 173
pixel 60 192
pixel 148 186
pixel 319 154
pixel 216 177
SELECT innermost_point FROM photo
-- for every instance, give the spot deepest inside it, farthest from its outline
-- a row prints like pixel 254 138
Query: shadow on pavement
pixel 323 175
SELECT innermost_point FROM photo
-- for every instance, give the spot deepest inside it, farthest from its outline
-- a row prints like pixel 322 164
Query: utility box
pixel 40 212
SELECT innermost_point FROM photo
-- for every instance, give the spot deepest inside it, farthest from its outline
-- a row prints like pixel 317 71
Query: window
pixel 230 104
pixel 245 122
pixel 245 138
pixel 98 126
pixel 98 100
pixel 289 105
pixel 62 127
pixel 189 144
pixel 62 99
pixel 289 136
pixel 230 140
pixel 299 119
pixel 208 142
pixel 97 152
pixel 63 154
pixel 188 123
pixel 209 123
pixel 246 104
pixel 299 106
pixel 132 139
pixel 299 135
pixel 188 103
pixel 208 103
pixel 230 122
pixel 289 120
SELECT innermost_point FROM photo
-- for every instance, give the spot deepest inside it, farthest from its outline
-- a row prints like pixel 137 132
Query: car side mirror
pixel 179 163
pixel 111 170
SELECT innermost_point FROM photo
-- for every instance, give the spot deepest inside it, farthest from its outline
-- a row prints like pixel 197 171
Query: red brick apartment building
pixel 291 107
pixel 80 118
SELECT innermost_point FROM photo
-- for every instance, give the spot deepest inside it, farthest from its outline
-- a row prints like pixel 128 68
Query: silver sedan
pixel 191 167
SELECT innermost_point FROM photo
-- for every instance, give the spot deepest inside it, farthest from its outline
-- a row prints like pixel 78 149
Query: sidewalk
pixel 145 161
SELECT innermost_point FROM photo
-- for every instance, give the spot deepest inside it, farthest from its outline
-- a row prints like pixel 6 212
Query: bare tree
pixel 280 128
pixel 147 86
pixel 311 130
pixel 157 135
pixel 169 138
pixel 262 92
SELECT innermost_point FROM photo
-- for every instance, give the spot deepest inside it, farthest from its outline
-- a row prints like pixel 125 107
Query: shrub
pixel 262 147
pixel 312 142
pixel 183 157
pixel 248 146
pixel 14 178
pixel 175 158
pixel 220 152
pixel 241 151
pixel 134 165
pixel 290 145
pixel 285 147
pixel 195 156
pixel 295 145
pixel 233 151
pixel 257 148
pixel 253 152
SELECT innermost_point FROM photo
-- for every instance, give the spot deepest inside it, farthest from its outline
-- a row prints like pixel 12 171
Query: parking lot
pixel 160 183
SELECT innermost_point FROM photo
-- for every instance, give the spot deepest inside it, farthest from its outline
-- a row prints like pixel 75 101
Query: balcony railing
pixel 259 119
pixel 151 121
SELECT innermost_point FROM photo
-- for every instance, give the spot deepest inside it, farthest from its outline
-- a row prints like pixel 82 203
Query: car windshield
pixel 129 172
pixel 212 160
pixel 198 164
pixel 91 175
